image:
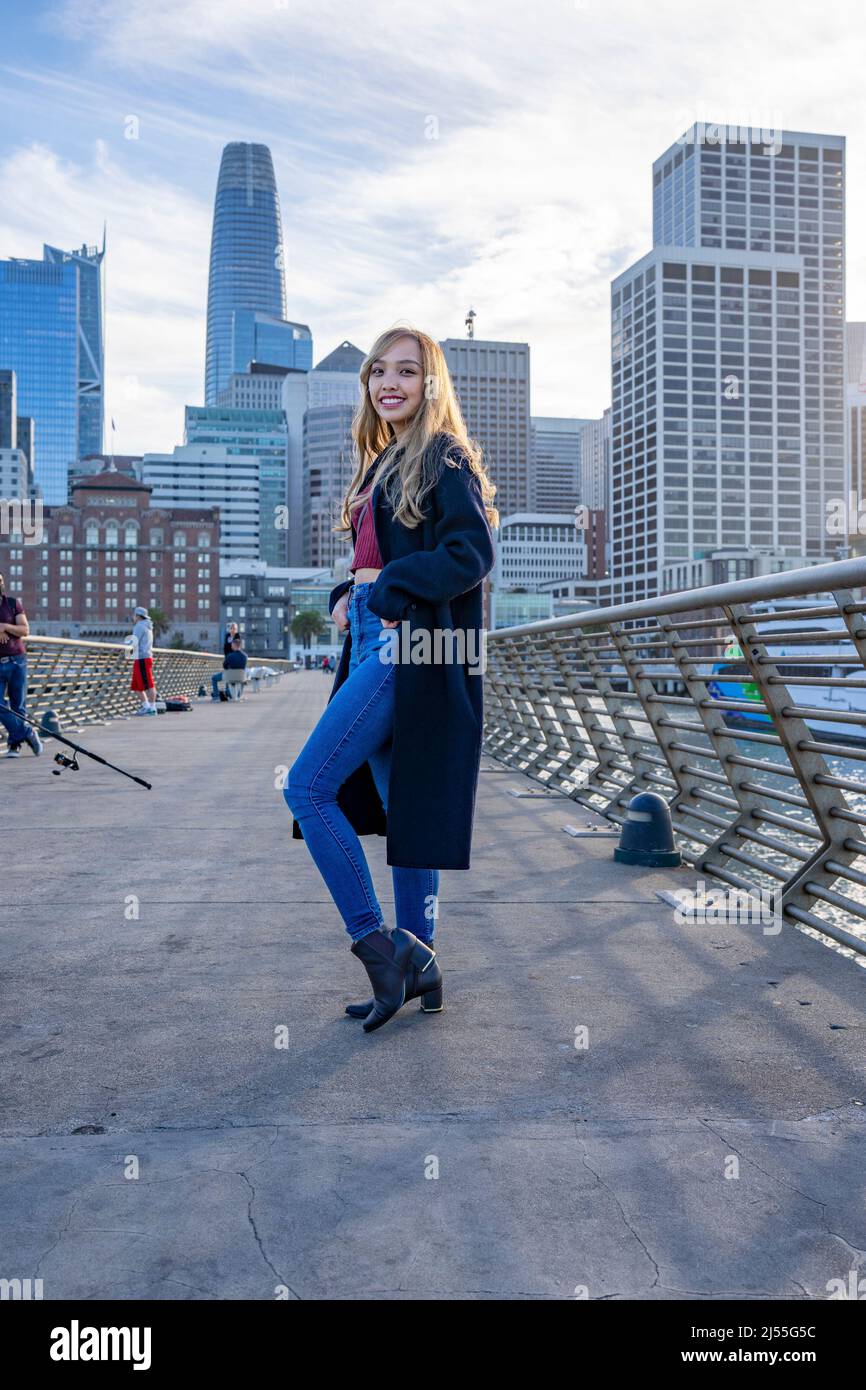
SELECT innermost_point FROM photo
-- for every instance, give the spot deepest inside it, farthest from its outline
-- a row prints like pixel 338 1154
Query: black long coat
pixel 432 575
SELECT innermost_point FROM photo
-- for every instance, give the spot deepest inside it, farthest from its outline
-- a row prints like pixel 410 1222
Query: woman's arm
pixel 462 556
pixel 338 593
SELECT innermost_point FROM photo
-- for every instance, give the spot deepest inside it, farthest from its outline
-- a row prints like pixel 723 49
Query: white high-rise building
pixel 728 359
pixel 709 434
pixel 211 475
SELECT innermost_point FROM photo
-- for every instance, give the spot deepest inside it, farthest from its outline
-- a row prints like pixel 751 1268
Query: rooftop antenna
pixel 470 323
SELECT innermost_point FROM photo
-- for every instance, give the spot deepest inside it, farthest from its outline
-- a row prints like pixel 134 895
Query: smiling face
pixel 396 383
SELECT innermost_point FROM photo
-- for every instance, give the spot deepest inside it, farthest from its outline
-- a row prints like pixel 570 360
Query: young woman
pixel 398 748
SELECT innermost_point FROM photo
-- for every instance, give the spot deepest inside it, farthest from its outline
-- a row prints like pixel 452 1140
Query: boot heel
pixel 431 1002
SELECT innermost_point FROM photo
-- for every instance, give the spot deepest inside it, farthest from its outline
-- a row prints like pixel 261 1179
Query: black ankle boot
pixel 387 959
pixel 422 982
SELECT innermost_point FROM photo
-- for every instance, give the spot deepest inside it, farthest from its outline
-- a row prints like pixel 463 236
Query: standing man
pixel 142 671
pixel 14 627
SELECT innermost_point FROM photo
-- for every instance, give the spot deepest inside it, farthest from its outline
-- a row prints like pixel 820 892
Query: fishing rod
pixel 50 727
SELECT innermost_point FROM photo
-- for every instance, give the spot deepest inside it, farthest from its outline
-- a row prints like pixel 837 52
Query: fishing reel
pixel 64 761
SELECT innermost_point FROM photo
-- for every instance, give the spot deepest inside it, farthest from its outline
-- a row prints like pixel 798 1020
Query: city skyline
pixel 381 221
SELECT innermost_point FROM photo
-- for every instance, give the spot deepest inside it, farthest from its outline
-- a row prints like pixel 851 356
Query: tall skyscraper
pixel 727 365
pixel 492 382
pixel 556 444
pixel 246 258
pixel 708 430
pixel 91 343
pixel 51 336
pixel 786 198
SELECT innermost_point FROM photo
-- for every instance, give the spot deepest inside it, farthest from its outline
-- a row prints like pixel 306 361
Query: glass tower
pixel 51 336
pixel 262 338
pixel 246 261
pixel 91 354
pixel 39 341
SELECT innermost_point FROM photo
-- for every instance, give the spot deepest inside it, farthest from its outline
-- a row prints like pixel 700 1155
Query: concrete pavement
pixel 173 975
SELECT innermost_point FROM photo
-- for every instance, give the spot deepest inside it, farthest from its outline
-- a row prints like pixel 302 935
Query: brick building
pixel 108 551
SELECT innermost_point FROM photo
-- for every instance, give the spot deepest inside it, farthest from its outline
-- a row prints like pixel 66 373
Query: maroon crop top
pixel 367 554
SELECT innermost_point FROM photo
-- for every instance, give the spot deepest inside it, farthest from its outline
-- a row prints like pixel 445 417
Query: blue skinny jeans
pixel 13 691
pixel 357 727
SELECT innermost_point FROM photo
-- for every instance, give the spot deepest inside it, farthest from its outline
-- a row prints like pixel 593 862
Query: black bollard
pixel 648 836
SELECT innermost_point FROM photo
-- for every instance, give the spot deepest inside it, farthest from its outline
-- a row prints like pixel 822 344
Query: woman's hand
pixel 389 622
pixel 340 613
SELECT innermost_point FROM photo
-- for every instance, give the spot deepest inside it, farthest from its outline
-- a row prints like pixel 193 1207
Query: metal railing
pixel 742 704
pixel 88 682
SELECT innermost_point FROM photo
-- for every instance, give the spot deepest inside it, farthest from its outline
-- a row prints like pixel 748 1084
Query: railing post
pixel 607 755
pixel 645 693
pixel 807 764
pixel 692 784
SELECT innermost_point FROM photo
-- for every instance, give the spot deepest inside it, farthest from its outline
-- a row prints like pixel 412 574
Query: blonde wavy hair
pixel 409 470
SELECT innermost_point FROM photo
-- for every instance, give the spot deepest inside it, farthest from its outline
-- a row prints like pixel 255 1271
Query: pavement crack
pixel 620 1209
pixel 258 1239
pixel 769 1176
pixel 60 1234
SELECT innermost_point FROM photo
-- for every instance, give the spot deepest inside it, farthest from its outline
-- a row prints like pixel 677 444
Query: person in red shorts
pixel 142 671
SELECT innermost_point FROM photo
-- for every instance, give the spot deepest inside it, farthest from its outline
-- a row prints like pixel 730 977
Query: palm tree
pixel 160 622
pixel 307 624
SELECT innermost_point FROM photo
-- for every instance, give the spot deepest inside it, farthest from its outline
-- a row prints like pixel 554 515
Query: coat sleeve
pixel 463 553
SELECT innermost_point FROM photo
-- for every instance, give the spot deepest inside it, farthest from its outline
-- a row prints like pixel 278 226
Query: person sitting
pixel 236 660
